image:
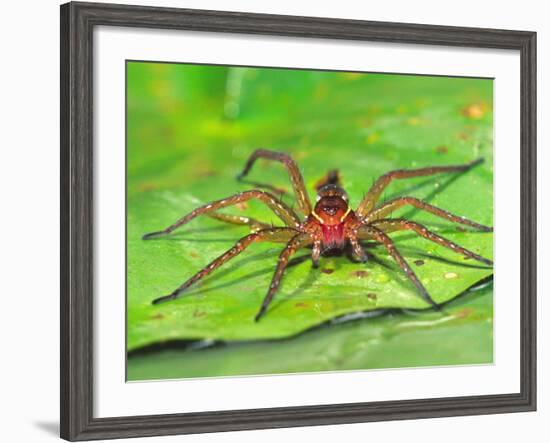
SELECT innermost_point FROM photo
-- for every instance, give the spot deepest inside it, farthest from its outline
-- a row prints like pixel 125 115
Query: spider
pixel 329 225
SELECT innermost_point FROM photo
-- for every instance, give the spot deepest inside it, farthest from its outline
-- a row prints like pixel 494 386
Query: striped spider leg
pixel 330 224
pixel 376 226
pixel 390 206
pixel 392 225
pixel 286 214
pixel 299 240
pixel 254 224
pixel 369 232
pixel 263 232
pixel 294 173
pixel 369 201
pixel 377 230
pixel 270 234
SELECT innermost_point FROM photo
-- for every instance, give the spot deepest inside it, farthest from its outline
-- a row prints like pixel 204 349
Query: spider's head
pixel 332 205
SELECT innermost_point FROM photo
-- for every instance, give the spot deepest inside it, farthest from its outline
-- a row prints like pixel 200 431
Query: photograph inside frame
pixel 291 221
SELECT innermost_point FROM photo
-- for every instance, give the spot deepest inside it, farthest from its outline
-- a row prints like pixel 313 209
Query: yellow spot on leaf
pixel 351 75
pixel 372 138
pixel 415 121
pixel 475 110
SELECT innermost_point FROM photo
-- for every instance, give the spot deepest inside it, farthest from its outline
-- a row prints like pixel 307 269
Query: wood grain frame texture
pixel 77 25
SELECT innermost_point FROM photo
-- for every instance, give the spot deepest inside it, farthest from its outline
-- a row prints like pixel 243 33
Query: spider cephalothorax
pixel 331 212
pixel 330 224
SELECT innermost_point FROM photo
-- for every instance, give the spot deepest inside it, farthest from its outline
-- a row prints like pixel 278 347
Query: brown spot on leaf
pixel 157 316
pixel 366 122
pixel 301 305
pixel 360 274
pixel 460 229
pixel 372 296
pixel 242 206
pixel 442 149
pixel 419 262
pixel 463 313
pixel 198 313
pixel 321 92
pixel 327 271
pixel 193 254
pixel 208 173
pixel 146 187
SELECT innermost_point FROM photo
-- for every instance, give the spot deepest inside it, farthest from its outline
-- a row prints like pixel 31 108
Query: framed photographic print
pixel 273 221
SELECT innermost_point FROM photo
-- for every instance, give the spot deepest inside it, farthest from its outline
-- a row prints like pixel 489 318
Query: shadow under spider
pixel 278 192
pixel 221 227
pixel 445 182
pixel 312 275
pixel 314 272
pixel 408 251
pixel 184 236
pixel 198 291
pixel 202 240
pixel 469 295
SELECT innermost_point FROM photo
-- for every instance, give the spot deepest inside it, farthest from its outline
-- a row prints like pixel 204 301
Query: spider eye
pixel 317 198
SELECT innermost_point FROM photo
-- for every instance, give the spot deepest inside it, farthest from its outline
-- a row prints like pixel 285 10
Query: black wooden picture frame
pixel 77 24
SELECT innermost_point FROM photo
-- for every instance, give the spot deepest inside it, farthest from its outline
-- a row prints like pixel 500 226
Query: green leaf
pixel 463 334
pixel 190 130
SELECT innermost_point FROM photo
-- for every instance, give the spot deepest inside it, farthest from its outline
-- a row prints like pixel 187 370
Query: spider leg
pixel 371 232
pixel 389 225
pixel 316 253
pixel 286 214
pixel 332 177
pixel 297 242
pixel 357 249
pixel 293 171
pixel 254 224
pixel 391 205
pixel 370 199
pixel 273 234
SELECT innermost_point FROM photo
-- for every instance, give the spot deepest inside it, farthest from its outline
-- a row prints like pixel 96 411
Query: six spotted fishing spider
pixel 331 224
